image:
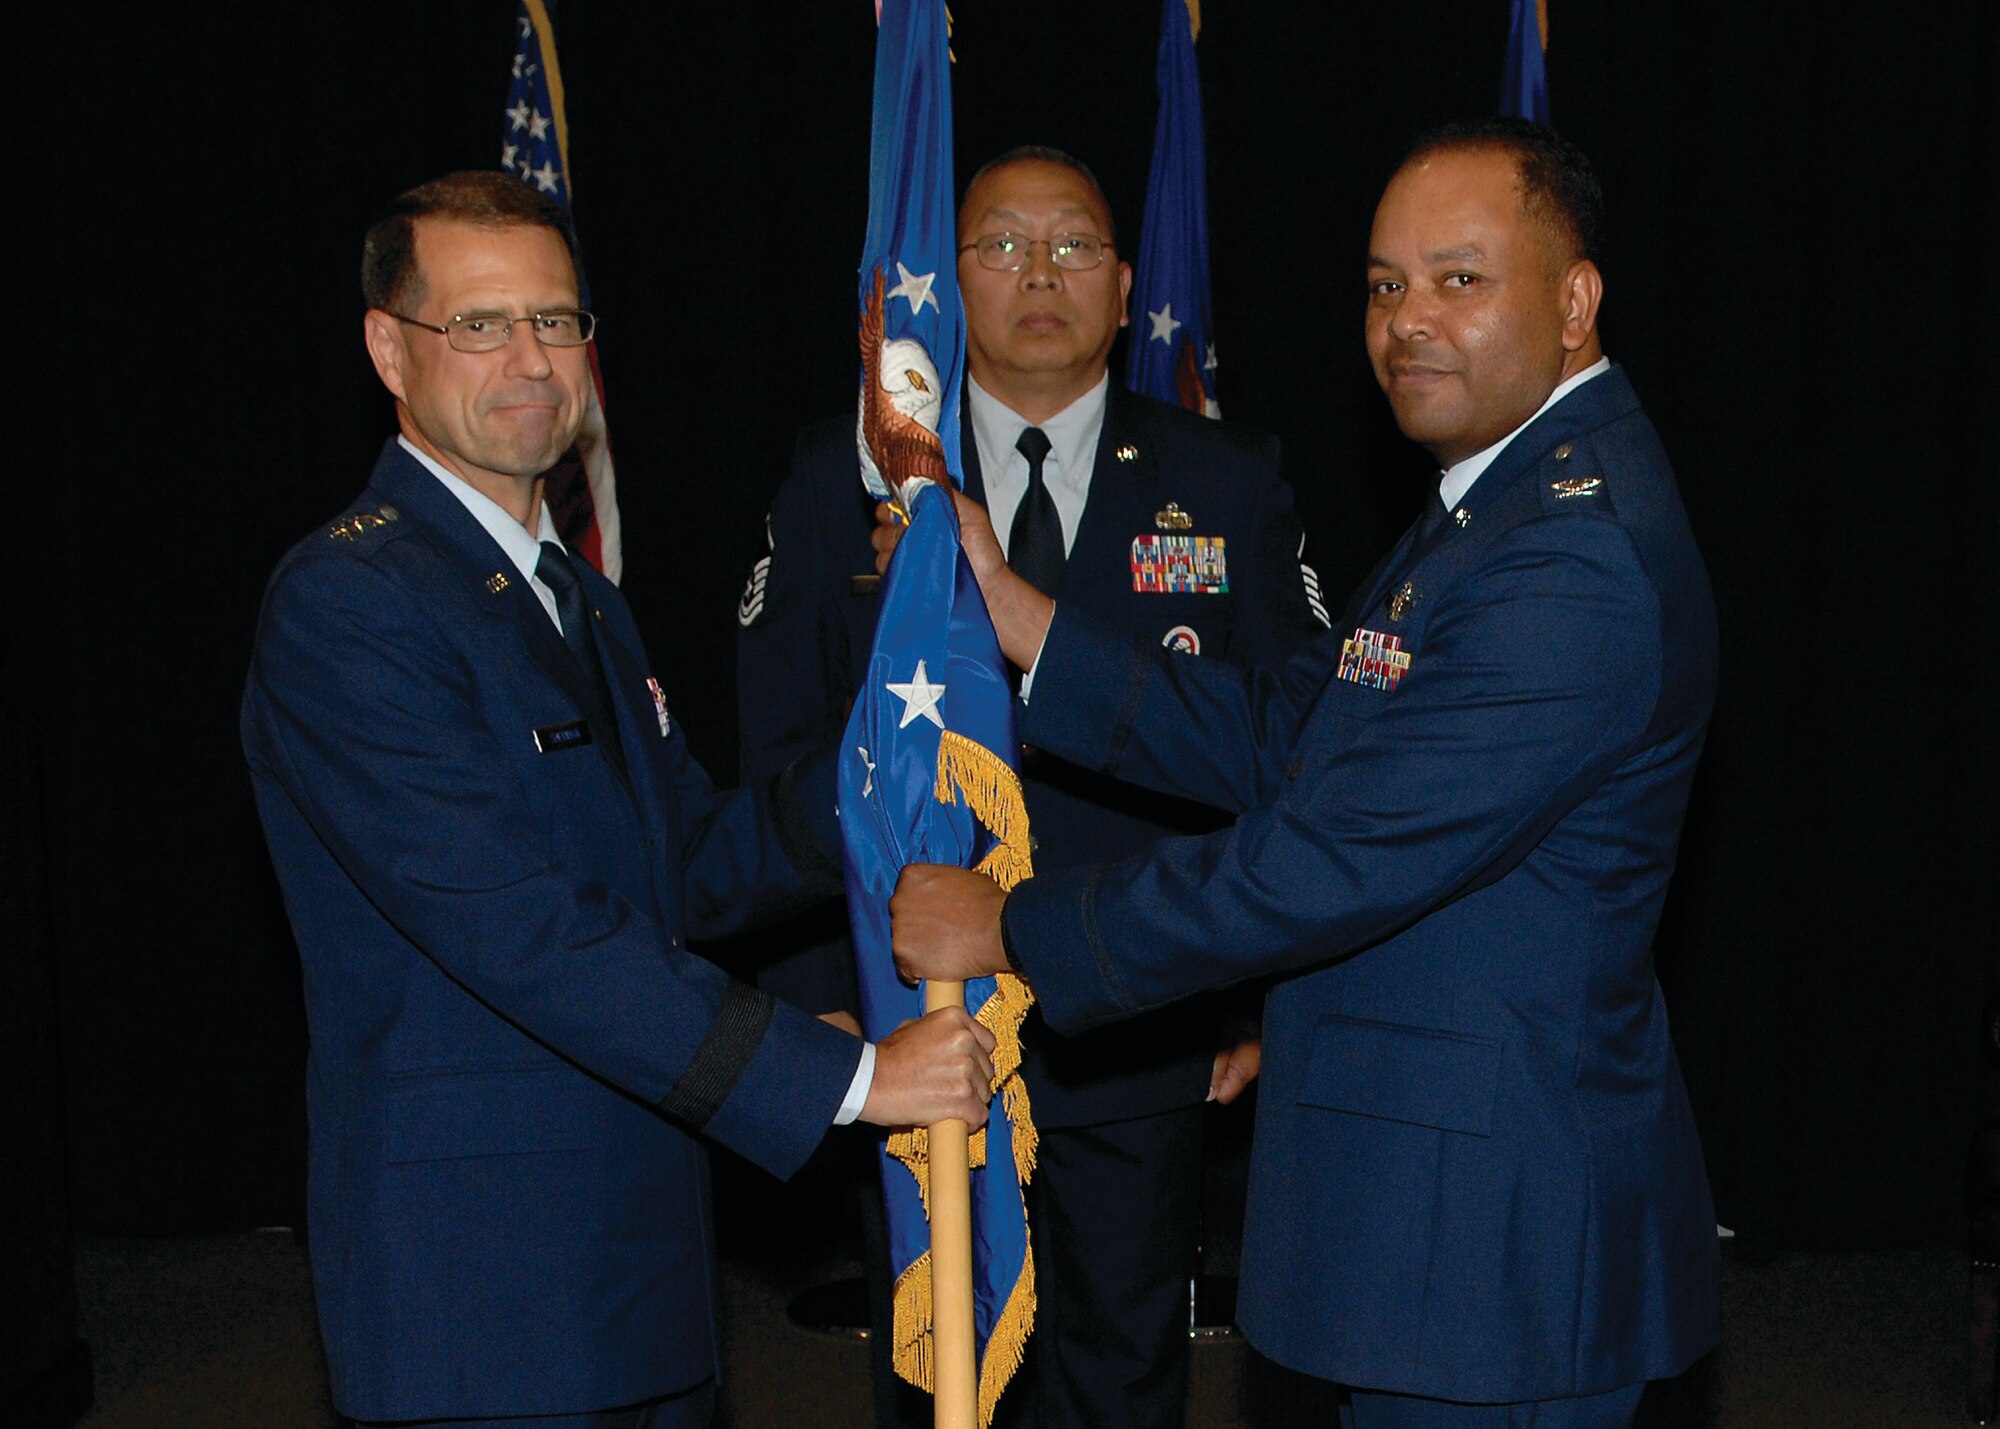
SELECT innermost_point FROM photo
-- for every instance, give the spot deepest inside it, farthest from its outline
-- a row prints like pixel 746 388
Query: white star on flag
pixel 507 155
pixel 916 287
pixel 544 177
pixel 919 697
pixel 518 115
pixel 1209 366
pixel 538 127
pixel 519 60
pixel 1164 323
pixel 867 784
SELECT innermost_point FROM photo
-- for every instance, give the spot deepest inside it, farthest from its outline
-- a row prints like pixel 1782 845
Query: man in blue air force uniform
pixel 1174 529
pixel 1476 1193
pixel 493 844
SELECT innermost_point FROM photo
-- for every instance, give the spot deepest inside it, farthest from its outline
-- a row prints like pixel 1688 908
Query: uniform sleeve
pixel 1527 692
pixel 368 720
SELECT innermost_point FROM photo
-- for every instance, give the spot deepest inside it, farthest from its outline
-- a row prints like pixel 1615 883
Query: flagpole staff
pixel 954 1365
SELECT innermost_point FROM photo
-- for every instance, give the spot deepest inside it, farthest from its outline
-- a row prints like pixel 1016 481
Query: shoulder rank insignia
pixel 1370 658
pixel 1173 518
pixel 660 706
pixel 347 528
pixel 1576 486
pixel 1405 597
pixel 1164 564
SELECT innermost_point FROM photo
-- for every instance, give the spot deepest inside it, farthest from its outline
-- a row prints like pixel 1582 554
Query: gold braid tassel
pixel 993 792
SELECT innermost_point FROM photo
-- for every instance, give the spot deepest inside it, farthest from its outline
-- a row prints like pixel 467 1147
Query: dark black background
pixel 1798 282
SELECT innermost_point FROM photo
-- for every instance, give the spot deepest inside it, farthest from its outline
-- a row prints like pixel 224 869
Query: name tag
pixel 550 738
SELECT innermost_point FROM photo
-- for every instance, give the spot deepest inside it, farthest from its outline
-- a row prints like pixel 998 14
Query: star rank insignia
pixel 362 521
pixel 1173 518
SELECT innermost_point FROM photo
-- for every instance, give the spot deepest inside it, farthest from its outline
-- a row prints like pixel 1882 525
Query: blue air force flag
pixel 1171 353
pixel 1524 85
pixel 927 770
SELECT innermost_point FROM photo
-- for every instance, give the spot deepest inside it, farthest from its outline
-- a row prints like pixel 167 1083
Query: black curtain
pixel 1796 282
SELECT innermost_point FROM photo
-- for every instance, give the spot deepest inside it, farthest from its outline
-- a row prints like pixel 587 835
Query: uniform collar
pixel 523 550
pixel 1455 483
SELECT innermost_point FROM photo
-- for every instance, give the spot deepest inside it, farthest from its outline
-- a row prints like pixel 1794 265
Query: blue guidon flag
pixel 581 490
pixel 1171 353
pixel 927 770
pixel 1524 84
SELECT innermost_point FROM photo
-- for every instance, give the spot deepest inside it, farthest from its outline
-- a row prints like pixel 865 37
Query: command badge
pixel 1373 659
pixel 1173 518
pixel 1197 564
pixel 1183 639
pixel 660 706
pixel 1405 597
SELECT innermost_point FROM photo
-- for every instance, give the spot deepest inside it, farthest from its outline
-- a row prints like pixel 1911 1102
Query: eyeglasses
pixel 1009 252
pixel 489 332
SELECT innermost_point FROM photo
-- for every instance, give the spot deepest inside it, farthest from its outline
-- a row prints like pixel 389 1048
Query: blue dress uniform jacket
pixel 510 1045
pixel 807 628
pixel 1476 1175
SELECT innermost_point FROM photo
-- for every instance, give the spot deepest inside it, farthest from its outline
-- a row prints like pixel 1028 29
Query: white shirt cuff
pixel 1028 679
pixel 857 1090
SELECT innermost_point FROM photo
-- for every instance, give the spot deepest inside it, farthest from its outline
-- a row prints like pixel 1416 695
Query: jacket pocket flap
pixel 498 1111
pixel 1416 1074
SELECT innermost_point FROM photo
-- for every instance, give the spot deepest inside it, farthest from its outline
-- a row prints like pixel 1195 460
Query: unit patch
pixel 1196 564
pixel 1373 659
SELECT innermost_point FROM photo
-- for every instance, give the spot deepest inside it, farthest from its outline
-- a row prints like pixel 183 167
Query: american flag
pixel 581 489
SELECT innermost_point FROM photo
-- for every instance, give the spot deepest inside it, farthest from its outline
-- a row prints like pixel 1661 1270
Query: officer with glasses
pixel 494 846
pixel 1105 496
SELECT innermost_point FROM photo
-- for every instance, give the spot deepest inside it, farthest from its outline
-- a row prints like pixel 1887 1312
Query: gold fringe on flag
pixel 993 793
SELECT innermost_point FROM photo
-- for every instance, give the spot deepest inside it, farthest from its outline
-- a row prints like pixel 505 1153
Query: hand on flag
pixel 944 922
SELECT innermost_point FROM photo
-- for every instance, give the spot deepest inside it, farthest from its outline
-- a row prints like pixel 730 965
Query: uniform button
pixel 1562 452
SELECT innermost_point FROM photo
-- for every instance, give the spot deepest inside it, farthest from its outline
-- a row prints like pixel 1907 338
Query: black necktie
pixel 1035 541
pixel 554 571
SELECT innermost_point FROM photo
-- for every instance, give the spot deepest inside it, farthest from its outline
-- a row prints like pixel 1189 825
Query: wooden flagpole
pixel 954 1365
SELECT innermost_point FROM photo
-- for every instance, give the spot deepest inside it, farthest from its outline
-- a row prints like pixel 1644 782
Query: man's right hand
pixel 934 1068
pixel 1021 614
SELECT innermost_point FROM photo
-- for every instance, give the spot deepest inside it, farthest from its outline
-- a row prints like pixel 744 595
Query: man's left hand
pixel 944 922
pixel 1235 1069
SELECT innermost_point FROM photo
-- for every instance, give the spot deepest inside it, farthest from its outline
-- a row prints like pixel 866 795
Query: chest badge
pixel 1173 518
pixel 1196 565
pixel 1368 657
pixel 1182 638
pixel 1576 486
pixel 1405 597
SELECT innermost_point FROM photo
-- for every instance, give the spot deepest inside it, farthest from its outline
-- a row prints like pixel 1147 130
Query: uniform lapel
pixel 1099 570
pixel 501 591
